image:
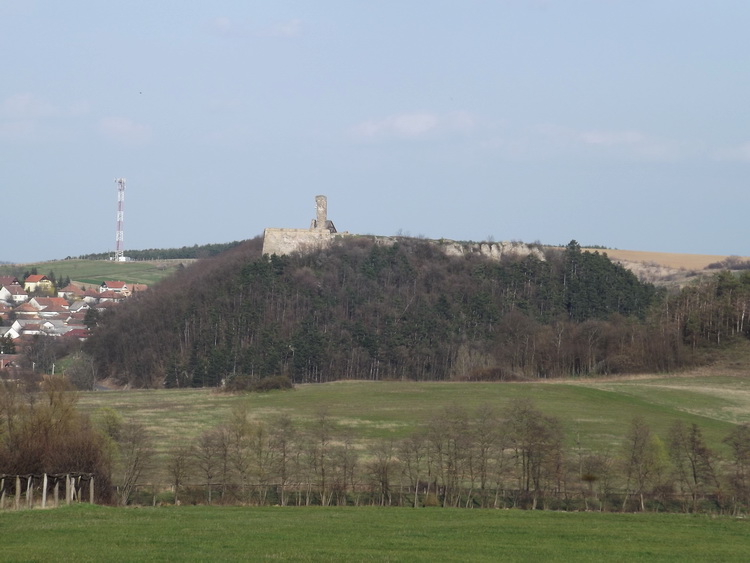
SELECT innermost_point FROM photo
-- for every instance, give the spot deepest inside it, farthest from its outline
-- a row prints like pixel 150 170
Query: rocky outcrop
pixel 492 250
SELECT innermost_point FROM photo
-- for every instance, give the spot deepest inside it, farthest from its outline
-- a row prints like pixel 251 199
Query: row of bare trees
pixel 518 457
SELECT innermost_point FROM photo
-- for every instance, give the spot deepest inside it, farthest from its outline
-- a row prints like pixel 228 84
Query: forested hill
pixel 363 310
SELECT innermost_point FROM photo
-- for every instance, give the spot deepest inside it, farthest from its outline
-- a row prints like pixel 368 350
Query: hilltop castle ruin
pixel 322 232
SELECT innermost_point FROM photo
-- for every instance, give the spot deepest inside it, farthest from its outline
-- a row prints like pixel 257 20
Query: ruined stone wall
pixel 322 232
pixel 286 241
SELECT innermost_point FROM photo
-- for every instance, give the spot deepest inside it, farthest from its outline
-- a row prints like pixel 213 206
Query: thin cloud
pixel 223 26
pixel 291 28
pixel 26 116
pixel 739 153
pixel 628 142
pixel 612 138
pixel 26 106
pixel 125 130
pixel 413 125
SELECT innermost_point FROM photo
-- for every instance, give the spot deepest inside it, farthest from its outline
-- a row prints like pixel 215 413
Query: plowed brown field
pixel 677 261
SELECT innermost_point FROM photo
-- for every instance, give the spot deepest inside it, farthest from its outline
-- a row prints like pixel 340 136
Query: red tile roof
pixel 71 288
pixel 47 302
pixel 15 289
pixel 26 308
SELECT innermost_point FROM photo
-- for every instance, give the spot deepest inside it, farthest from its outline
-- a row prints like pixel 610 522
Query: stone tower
pixel 321 222
pixel 320 234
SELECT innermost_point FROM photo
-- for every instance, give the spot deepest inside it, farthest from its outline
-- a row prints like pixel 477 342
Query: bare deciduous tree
pixel 207 455
pixel 739 443
pixel 644 460
pixel 693 461
pixel 135 455
pixel 178 465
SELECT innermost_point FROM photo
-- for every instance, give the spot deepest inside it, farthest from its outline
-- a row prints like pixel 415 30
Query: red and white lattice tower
pixel 119 244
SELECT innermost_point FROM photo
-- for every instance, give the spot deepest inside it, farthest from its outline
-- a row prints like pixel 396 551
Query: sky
pixel 620 123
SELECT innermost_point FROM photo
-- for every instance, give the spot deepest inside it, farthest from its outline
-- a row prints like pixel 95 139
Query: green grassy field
pixel 86 533
pixel 94 272
pixel 595 413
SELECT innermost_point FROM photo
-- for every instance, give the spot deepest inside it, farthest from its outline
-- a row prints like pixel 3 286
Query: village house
pixel 26 311
pixel 116 287
pixel 37 282
pixel 79 306
pixel 77 333
pixel 106 296
pixel 8 280
pixel 13 294
pixel 71 292
pixel 33 327
pixel 91 296
pixel 25 317
pixel 43 303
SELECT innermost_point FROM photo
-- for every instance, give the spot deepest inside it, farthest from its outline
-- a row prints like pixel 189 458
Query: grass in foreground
pixel 86 533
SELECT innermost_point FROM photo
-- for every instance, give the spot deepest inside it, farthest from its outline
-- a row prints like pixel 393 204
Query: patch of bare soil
pixel 663 268
pixel 666 259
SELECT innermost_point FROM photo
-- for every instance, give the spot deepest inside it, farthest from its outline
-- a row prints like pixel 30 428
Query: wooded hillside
pixel 359 310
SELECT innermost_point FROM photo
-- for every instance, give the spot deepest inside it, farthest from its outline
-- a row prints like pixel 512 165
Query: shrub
pixel 245 383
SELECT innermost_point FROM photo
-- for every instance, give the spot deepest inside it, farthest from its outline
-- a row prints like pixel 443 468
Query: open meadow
pixel 94 272
pixel 595 413
pixel 94 533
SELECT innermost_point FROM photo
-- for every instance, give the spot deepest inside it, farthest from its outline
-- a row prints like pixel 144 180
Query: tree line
pixel 184 252
pixel 490 458
pixel 517 456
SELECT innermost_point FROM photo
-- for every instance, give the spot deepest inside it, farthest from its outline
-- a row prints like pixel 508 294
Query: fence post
pixel 2 493
pixel 30 492
pixel 44 491
pixel 57 492
pixel 68 492
pixel 18 492
pixel 91 490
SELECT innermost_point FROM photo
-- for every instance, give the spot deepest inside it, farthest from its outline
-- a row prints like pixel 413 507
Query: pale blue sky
pixel 618 123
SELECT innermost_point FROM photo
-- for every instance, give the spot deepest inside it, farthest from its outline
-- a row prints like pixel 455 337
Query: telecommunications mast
pixel 119 247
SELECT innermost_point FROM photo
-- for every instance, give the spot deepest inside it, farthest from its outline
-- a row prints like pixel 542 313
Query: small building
pixel 44 303
pixel 91 296
pixel 113 296
pixel 78 334
pixel 37 282
pixel 26 311
pixel 79 306
pixel 116 287
pixel 13 294
pixel 71 292
pixel 9 280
